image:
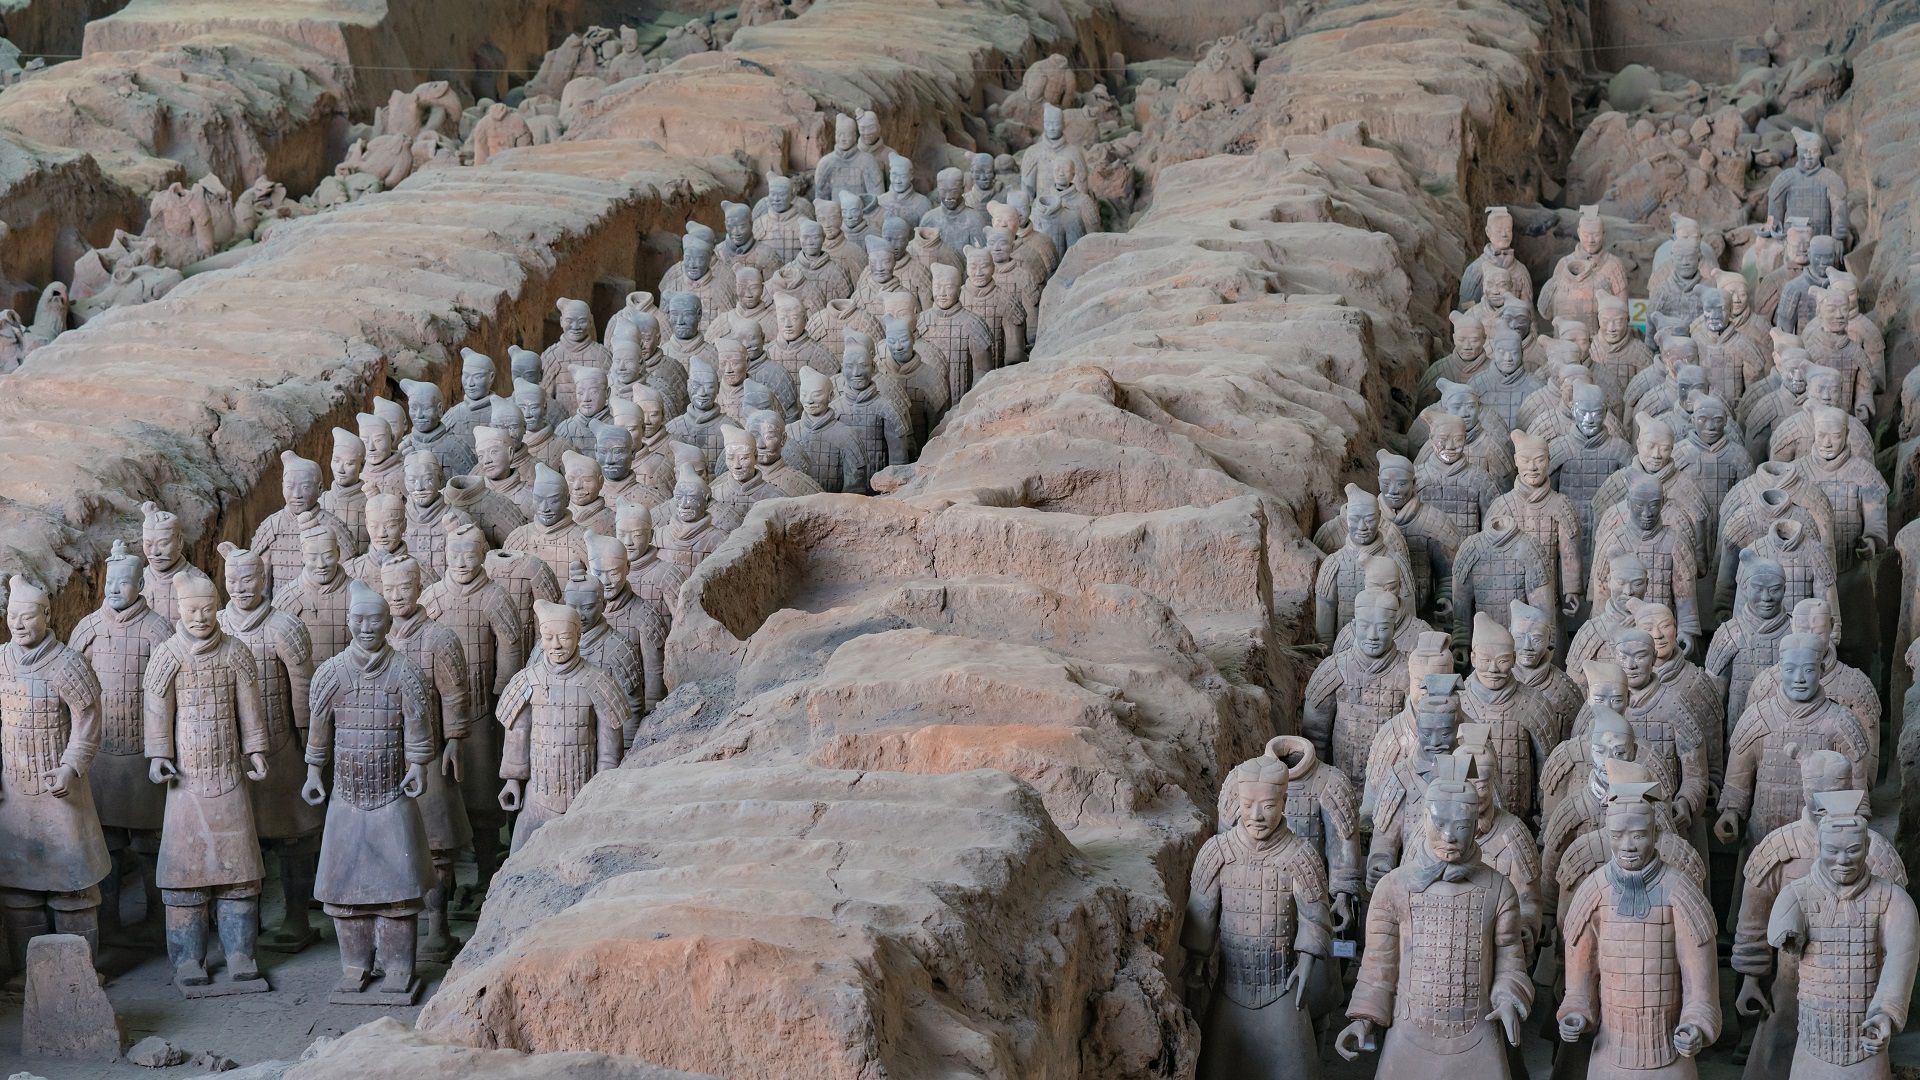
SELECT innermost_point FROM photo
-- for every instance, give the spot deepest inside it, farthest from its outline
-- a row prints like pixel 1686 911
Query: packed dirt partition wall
pixel 1086 584
pixel 55 27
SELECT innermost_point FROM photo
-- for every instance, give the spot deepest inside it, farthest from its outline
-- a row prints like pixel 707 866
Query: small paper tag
pixel 1345 950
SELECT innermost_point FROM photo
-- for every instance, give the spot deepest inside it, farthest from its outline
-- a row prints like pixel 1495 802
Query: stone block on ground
pixel 66 1012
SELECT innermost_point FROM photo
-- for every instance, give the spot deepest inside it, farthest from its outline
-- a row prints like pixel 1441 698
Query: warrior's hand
pixel 450 760
pixel 1752 1001
pixel 1727 829
pixel 162 771
pixel 1688 643
pixel 60 781
pixel 315 789
pixel 1297 982
pixel 1510 1015
pixel 1875 1030
pixel 1866 547
pixel 1342 912
pixel 1574 1026
pixel 257 770
pixel 1355 1039
pixel 1689 1040
pixel 414 784
pixel 510 796
pixel 1570 604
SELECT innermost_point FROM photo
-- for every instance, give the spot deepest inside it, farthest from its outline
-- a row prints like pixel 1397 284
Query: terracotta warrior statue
pixel 1259 906
pixel 346 499
pixel 1396 806
pixel 1503 840
pixel 440 657
pixel 1497 252
pixel 1809 190
pixel 480 614
pixel 846 167
pixel 1573 788
pixel 373 723
pixel 1496 566
pixel 52 856
pixel 1548 517
pixel 1748 643
pixel 1469 355
pixel 117 641
pixel 1641 527
pixel 575 347
pixel 1534 667
pixel 1583 458
pixel 1444 974
pixel 477 376
pixel 1579 277
pixel 426 413
pixel 1733 360
pixel 1356 690
pixel 1515 717
pixel 1769 981
pixel 317 597
pixel 381 470
pixel 282 655
pixel 552 535
pixel 1857 937
pixel 1798 306
pixel 1449 480
pixel 1799 244
pixel 1762 790
pixel 278 537
pixel 1395 742
pixel 1642 974
pixel 206 738
pixel 563 721
pixel 1322 806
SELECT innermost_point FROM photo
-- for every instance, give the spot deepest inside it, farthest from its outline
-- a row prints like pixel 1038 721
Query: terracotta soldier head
pixel 299 482
pixel 1626 575
pixel 1506 350
pixel 396 417
pixel 683 315
pixel 1761 585
pixel 1436 717
pixel 1589 410
pixel 613 451
pixel 1634 647
pixel 1806 147
pixel 946 286
pixel 549 496
pixel 633 527
pixel 1362 515
pixel 1632 816
pixel 690 495
pixel 466 550
pixel 1615 324
pixel 1454 806
pixel 845 133
pixel 320 549
pixel 1653 445
pixel 400 586
pixel 1395 479
pixel 590 388
pixel 1448 437
pixel 1844 835
pixel 123 578
pixel 779 193
pixel 898 234
pixel 1499 228
pixel 29 611
pixel 1607 683
pixel 199 605
pixel 856 362
pixel 582 476
pixel 1713 308
pixel 1375 614
pixel 741 461
pixel 703 386
pixel 1686 246
pixel 739 224
pixel 1591 231
pixel 869 123
pixel 425 405
pixel 494 449
pixel 477 375
pixel 1496 287
pixel 607 564
pixel 247 578
pixel 1802 657
pixel 368 618
pixel 1830 434
pixel 1531 461
pixel 1493 652
pixel 348 460
pixel 899 174
pixel 386 522
pixel 583 593
pixel 852 209
pixel 1709 420
pixel 1609 737
pixel 1532 634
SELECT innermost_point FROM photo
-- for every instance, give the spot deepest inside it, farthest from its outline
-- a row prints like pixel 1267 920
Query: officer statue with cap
pixel 373 723
pixel 1259 907
pixel 1642 973
pixel 1809 190
pixel 165 552
pixel 1857 938
pixel 1444 974
pixel 206 736
pixel 563 720
pixel 52 856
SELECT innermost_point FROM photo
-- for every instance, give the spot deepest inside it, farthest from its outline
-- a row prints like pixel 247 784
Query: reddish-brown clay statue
pixel 1355 691
pixel 1770 980
pixel 283 666
pixel 1641 966
pixel 1858 941
pixel 206 736
pixel 1444 975
pixel 482 616
pixel 373 724
pixel 52 856
pixel 563 718
pixel 117 640
pixel 1258 909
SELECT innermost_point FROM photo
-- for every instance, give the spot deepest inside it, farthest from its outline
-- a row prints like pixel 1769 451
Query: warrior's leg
pixel 187 934
pixel 78 913
pixel 299 858
pixel 439 943
pixel 356 951
pixel 26 919
pixel 399 936
pixel 238 919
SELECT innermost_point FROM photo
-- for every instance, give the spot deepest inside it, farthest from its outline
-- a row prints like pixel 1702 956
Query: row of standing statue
pixel 445 643
pixel 1661 719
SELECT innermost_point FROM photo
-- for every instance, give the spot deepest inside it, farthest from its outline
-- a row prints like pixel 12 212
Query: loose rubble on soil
pixel 853 539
